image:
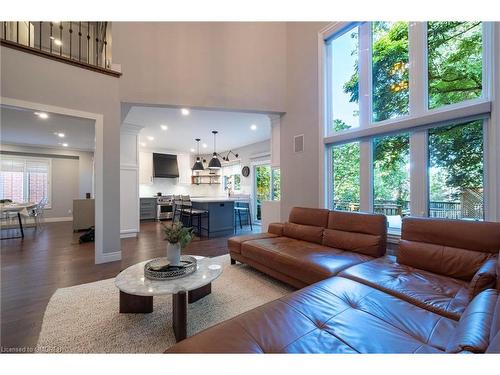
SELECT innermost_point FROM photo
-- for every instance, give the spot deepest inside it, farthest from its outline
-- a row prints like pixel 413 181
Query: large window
pixel 25 179
pixel 343 73
pixel 346 177
pixel 390 94
pixel 455 62
pixel 456 171
pixel 415 98
pixel 391 177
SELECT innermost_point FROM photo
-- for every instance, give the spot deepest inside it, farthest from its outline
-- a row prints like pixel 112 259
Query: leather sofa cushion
pixel 336 315
pixel 367 244
pixel 358 222
pixel 308 233
pixel 494 346
pixel 309 216
pixel 440 294
pixel 481 236
pixel 484 278
pixel 473 331
pixel 234 243
pixel 444 260
pixel 276 228
pixel 305 261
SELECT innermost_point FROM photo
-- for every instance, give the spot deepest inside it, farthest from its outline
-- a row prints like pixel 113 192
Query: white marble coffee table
pixel 137 291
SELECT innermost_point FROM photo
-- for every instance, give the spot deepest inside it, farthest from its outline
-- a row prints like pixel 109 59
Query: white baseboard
pixel 127 233
pixel 108 257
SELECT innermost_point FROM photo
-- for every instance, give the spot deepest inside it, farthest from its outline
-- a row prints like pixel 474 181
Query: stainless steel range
pixel 164 207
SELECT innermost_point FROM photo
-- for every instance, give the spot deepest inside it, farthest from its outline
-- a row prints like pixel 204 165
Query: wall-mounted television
pixel 165 166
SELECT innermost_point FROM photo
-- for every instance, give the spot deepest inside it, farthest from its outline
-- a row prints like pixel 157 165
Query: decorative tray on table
pixel 160 268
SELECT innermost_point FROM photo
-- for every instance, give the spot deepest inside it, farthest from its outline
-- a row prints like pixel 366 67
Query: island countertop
pixel 212 199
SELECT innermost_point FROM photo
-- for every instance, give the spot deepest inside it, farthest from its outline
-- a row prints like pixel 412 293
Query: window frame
pixel 417 122
pixel 25 160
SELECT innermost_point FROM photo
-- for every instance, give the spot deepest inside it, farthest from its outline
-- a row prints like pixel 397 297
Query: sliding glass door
pixel 263 188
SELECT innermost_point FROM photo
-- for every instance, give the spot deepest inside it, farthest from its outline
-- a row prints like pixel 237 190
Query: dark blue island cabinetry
pixel 221 215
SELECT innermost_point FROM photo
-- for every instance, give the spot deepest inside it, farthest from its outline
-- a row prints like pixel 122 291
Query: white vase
pixel 174 253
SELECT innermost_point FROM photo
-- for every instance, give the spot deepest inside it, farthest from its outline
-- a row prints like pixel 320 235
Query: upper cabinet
pixel 145 167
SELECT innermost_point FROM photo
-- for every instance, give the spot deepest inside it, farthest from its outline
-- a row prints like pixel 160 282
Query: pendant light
pixel 214 162
pixel 198 165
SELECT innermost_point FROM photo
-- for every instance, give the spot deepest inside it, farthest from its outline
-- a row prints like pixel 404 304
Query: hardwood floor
pixel 33 268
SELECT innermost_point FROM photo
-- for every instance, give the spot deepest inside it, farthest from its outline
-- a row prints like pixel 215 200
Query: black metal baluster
pixel 5 30
pixel 96 43
pixel 105 54
pixel 70 38
pixel 40 35
pixel 79 41
pixel 60 38
pixel 17 32
pixel 29 33
pixel 51 36
pixel 88 42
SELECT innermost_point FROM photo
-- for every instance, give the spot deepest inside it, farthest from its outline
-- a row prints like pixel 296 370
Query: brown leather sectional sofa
pixel 438 295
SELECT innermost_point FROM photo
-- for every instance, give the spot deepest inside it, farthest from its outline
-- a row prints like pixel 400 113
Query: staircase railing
pixel 84 44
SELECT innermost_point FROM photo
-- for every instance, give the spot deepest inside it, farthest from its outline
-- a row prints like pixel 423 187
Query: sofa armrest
pixel 484 278
pixel 276 228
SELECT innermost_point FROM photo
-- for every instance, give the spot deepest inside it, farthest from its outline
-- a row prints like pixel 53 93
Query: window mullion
pixel 366 176
pixel 419 180
pixel 418 68
pixel 365 76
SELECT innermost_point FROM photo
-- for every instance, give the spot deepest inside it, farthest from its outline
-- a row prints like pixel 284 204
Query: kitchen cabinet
pixel 145 168
pixel 184 165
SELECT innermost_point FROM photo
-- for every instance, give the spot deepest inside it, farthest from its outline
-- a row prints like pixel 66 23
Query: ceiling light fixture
pixel 143 144
pixel 192 150
pixel 185 111
pixel 60 135
pixel 164 127
pixel 151 138
pixel 64 144
pixel 42 115
pixel 204 145
pixel 198 165
pixel 214 162
pixel 253 127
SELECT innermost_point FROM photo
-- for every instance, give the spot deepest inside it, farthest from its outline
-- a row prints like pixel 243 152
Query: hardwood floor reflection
pixel 33 268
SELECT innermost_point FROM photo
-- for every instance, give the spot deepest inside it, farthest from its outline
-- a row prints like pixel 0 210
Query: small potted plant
pixel 178 238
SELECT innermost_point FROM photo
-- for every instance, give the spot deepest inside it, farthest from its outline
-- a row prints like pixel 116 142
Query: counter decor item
pixel 178 237
pixel 161 269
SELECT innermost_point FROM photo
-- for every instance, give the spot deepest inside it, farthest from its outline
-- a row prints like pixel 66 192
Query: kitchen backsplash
pixel 171 186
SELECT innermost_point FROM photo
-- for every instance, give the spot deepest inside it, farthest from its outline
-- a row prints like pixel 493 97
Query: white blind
pixel 12 165
pixel 37 166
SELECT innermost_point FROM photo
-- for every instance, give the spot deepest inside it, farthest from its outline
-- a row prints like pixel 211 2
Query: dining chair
pixel 242 206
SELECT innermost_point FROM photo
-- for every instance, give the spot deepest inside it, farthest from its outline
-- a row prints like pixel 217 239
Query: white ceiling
pixel 22 127
pixel 233 127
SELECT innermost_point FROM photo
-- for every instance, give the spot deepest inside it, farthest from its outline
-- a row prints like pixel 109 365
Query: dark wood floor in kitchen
pixel 32 269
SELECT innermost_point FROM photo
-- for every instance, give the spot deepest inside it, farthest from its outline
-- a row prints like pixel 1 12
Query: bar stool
pixel 177 201
pixel 239 208
pixel 188 213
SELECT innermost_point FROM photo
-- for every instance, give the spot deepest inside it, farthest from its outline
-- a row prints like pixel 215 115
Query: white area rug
pixel 85 318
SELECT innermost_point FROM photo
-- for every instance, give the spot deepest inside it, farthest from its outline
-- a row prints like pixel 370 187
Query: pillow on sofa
pixel 309 233
pixel 484 278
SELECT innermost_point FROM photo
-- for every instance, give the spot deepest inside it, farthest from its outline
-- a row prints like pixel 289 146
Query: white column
pixel 129 180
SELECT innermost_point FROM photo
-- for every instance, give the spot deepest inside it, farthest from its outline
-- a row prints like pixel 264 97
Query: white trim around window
pixel 417 122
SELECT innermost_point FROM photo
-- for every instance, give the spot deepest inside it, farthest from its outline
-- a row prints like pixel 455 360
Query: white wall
pixel 300 171
pixel 45 82
pixel 233 65
pixel 70 180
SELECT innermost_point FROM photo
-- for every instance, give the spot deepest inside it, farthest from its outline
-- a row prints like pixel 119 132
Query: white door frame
pixel 99 255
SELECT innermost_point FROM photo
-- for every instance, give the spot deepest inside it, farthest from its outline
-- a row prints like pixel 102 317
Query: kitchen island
pixel 221 215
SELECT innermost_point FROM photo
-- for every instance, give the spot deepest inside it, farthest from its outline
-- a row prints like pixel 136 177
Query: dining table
pixel 20 209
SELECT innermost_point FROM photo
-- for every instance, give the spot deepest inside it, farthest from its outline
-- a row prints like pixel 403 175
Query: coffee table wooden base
pixel 132 304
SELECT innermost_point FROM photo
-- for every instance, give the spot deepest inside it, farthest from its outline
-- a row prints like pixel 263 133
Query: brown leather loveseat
pixel 436 296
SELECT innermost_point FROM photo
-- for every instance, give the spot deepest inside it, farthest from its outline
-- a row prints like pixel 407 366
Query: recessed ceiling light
pixel 185 111
pixel 204 145
pixel 192 150
pixel 60 135
pixel 42 115
pixel 143 144
pixel 164 127
pixel 64 144
pixel 151 138
pixel 57 42
pixel 253 127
